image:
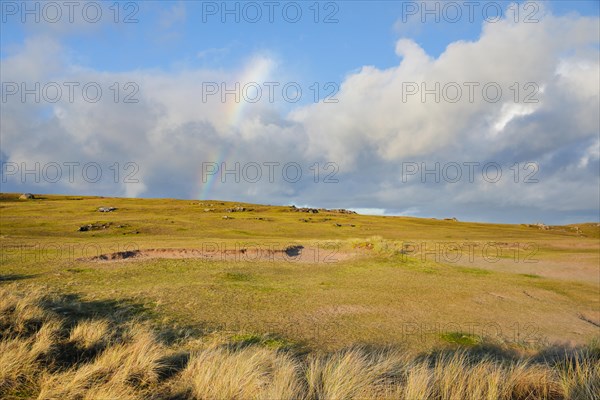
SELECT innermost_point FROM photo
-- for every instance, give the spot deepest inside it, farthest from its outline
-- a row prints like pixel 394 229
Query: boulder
pixel 93 227
pixel 26 196
pixel 342 211
pixel 238 209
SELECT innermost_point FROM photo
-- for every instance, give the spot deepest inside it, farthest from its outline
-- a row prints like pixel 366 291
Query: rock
pixel 306 210
pixel 106 209
pixel 340 225
pixel 342 211
pixel 316 210
pixel 451 219
pixel 26 196
pixel 93 227
pixel 238 209
pixel 209 209
pixel 227 217
pixel 539 225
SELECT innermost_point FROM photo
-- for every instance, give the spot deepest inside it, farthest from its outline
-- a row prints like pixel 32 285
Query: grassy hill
pixel 304 282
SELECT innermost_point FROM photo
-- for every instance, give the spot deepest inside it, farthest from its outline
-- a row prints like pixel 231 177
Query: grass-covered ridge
pixel 294 290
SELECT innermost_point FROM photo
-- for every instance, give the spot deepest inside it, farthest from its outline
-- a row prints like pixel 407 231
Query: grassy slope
pixel 51 347
pixel 381 296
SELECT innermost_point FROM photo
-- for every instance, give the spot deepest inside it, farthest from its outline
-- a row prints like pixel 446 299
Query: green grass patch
pixel 532 276
pixel 473 271
pixel 268 340
pixel 461 338
pixel 237 276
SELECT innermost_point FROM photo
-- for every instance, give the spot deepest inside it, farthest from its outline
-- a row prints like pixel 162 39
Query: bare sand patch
pixel 296 253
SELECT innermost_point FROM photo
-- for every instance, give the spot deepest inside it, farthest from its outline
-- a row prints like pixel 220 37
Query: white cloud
pixel 368 134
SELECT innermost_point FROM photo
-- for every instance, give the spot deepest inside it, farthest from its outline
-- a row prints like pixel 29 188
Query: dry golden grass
pixel 251 373
pixel 90 334
pixel 120 369
pixel 43 355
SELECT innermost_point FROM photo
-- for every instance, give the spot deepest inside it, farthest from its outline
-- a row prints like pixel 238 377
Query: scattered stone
pixel 227 217
pixel 238 209
pixel 106 209
pixel 93 227
pixel 540 225
pixel 209 209
pixel 304 209
pixel 342 211
pixel 26 196
pixel 317 210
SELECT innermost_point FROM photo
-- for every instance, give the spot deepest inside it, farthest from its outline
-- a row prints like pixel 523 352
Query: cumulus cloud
pixel 378 127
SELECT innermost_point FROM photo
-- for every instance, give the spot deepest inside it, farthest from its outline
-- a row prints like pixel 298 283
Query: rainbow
pixel 258 70
pixel 205 187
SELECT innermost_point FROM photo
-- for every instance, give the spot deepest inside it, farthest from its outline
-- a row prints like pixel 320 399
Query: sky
pixel 484 111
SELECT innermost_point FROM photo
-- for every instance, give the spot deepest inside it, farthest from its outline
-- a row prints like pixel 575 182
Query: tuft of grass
pixel 90 334
pixel 249 373
pixel 382 247
pixel 126 368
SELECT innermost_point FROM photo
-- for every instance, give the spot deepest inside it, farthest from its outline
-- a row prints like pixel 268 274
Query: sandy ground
pixel 519 258
pixel 299 254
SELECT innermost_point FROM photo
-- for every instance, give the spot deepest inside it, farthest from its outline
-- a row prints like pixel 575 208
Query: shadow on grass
pixel 269 340
pixel 15 277
pixel 548 355
pixel 173 364
pixel 74 309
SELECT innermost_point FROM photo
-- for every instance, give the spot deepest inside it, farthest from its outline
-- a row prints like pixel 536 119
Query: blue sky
pixel 369 50
pixel 172 35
